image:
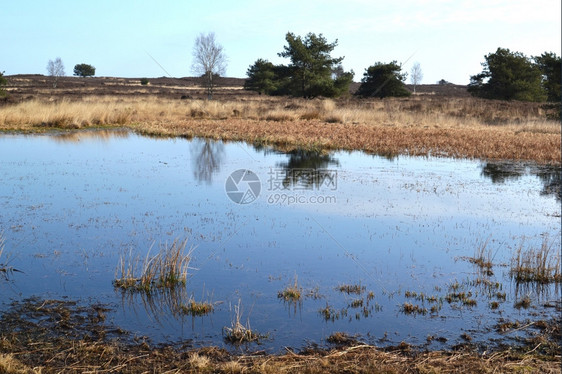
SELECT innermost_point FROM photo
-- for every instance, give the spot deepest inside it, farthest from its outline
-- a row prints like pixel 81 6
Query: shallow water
pixel 72 204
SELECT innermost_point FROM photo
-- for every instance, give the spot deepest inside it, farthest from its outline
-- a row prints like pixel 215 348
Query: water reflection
pixel 101 135
pixel 207 156
pixel 501 172
pixel 307 169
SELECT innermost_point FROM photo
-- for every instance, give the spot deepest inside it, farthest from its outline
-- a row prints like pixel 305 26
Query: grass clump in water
pixel 483 258
pixel 351 289
pixel 197 309
pixel 291 293
pixel 409 308
pixel 5 270
pixel 166 270
pixel 238 333
pixel 539 266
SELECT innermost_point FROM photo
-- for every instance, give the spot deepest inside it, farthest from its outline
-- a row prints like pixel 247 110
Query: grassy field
pixel 422 125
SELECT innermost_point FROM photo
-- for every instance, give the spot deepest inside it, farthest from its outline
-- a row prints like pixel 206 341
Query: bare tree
pixel 209 60
pixel 56 70
pixel 416 75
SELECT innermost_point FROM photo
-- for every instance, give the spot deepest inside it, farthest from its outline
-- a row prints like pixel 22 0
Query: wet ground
pixel 400 231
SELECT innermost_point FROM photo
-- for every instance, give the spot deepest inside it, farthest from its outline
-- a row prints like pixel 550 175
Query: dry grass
pixel 455 127
pixel 5 269
pixel 291 293
pixel 195 308
pixel 167 269
pixel 483 258
pixel 49 336
pixel 531 265
pixel 238 333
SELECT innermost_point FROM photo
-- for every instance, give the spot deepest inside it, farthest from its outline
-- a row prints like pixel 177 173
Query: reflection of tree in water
pixel 307 168
pixel 552 181
pixel 500 172
pixel 207 156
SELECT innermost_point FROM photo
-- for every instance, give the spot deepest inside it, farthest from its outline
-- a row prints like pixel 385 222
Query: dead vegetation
pixel 5 269
pixel 167 269
pixel 536 265
pixel 239 333
pixel 50 336
pixel 454 127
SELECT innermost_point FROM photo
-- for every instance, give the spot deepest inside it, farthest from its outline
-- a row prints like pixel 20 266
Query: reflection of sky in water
pixel 69 205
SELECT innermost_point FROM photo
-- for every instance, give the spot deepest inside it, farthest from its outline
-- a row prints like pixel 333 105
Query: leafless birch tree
pixel 209 60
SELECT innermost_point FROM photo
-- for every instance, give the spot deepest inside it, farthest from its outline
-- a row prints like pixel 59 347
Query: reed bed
pixel 454 127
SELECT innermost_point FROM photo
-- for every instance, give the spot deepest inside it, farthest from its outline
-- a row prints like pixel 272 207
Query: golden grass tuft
pixel 483 258
pixel 11 365
pixel 167 269
pixel 291 293
pixel 536 265
pixel 238 333
pixel 195 308
pixel 351 289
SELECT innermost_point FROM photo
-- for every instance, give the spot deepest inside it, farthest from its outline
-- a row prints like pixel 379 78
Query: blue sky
pixel 448 38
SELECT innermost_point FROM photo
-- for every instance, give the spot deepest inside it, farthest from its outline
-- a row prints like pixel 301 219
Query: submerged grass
pixel 454 127
pixel 167 269
pixel 536 265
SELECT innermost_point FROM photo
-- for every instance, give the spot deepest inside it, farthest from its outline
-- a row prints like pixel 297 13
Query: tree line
pixel 312 71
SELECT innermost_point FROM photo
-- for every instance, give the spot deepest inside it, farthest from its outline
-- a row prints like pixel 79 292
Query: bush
pixel 383 80
pixel 84 70
pixel 144 81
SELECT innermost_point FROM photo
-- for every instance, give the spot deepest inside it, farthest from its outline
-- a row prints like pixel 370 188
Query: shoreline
pixel 422 126
pixel 43 336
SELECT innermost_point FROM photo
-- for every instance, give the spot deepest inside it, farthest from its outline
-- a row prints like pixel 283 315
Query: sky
pixel 155 38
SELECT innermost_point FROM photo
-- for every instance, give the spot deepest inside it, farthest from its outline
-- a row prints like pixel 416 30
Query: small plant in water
pixel 483 258
pixel 291 293
pixel 5 270
pixel 351 289
pixel 536 265
pixel 524 302
pixel 195 308
pixel 238 333
pixel 167 269
pixel 408 308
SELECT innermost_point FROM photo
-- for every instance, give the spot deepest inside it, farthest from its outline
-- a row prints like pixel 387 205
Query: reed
pixel 238 333
pixel 5 269
pixel 536 265
pixel 165 270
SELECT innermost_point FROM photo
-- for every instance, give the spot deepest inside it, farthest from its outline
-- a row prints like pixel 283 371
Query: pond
pixel 380 247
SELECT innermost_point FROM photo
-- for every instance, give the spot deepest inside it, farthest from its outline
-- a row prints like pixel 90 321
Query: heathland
pixel 438 121
pixel 61 336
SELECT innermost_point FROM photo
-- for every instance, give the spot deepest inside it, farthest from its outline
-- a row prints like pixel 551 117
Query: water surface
pixel 72 204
